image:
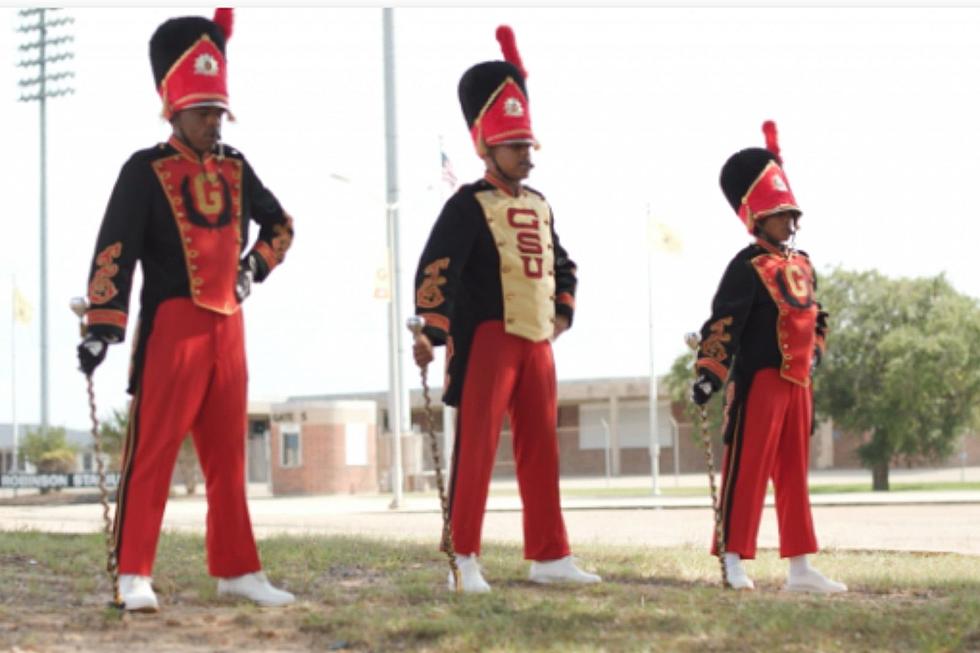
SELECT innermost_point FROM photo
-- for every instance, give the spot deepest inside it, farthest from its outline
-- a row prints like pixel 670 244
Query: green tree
pixel 50 452
pixel 678 382
pixel 113 432
pixel 902 365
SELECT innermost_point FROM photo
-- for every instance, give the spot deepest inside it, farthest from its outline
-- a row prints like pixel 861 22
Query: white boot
pixel 137 594
pixel 804 578
pixel 469 574
pixel 255 587
pixel 735 573
pixel 562 570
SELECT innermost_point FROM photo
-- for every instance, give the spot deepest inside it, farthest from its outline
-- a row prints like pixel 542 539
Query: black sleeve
pixel 441 265
pixel 118 248
pixel 565 278
pixel 275 225
pixel 730 309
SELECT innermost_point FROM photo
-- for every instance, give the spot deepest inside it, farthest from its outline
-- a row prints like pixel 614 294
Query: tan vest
pixel 521 229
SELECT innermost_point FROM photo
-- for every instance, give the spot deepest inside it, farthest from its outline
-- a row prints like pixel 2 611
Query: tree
pixel 678 382
pixel 50 452
pixel 902 365
pixel 113 432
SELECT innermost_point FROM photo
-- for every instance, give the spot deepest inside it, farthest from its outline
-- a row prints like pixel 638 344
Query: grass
pixel 697 491
pixel 371 595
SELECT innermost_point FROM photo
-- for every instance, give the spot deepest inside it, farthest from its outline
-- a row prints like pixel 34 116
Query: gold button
pixel 785 346
pixel 551 297
pixel 501 243
pixel 551 273
pixel 785 367
pixel 505 269
pixel 510 320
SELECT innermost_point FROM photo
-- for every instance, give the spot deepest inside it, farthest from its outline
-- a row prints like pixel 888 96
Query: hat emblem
pixel 513 108
pixel 779 183
pixel 205 64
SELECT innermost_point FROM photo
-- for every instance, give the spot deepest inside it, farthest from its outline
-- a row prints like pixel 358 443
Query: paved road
pixel 936 521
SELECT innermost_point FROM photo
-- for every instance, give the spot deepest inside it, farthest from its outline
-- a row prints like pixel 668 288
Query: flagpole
pixel 13 366
pixel 448 412
pixel 654 403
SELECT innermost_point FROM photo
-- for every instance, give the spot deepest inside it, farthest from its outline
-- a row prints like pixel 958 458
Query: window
pixel 356 443
pixel 291 452
pixel 634 424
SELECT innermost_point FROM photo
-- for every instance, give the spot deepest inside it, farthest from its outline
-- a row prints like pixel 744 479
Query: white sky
pixel 877 111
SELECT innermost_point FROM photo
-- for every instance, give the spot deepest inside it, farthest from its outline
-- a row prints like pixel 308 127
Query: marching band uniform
pixel 185 218
pixel 765 335
pixel 491 280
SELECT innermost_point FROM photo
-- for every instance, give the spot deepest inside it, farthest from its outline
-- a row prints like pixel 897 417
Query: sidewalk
pixel 941 521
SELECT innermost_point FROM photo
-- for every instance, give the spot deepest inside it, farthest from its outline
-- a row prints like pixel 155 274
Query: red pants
pixel 774 443
pixel 194 380
pixel 508 373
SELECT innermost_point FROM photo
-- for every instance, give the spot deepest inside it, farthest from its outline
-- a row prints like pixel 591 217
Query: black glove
pixel 702 389
pixel 246 273
pixel 91 352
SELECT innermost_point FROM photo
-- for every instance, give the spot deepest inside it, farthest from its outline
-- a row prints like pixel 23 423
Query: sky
pixel 636 110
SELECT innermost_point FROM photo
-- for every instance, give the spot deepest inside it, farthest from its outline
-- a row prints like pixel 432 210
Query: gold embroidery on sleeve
pixel 101 289
pixel 714 346
pixel 429 294
pixel 283 238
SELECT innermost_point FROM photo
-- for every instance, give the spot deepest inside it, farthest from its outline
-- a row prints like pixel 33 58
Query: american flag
pixel 448 175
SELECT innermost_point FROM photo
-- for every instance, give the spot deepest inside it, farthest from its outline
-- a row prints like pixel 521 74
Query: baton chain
pixel 693 340
pixel 415 325
pixel 79 306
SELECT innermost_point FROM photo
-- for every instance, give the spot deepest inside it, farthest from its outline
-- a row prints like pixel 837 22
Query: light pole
pixel 395 328
pixel 43 86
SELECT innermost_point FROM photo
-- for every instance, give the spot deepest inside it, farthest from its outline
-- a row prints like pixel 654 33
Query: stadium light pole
pixel 38 25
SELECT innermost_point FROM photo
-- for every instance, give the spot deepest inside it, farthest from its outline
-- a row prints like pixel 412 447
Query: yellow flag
pixel 23 311
pixel 664 239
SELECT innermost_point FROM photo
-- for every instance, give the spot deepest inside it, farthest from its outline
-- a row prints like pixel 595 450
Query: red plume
pixel 225 18
pixel 772 139
pixel 505 36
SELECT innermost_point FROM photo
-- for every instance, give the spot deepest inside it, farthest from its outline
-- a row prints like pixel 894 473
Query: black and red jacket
pixel 491 256
pixel 764 315
pixel 186 221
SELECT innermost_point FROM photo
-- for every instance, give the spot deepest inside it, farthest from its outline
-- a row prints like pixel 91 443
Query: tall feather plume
pixel 225 18
pixel 508 45
pixel 772 139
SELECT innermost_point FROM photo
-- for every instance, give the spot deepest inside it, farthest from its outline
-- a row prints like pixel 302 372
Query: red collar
pixel 185 150
pixel 501 185
pixel 773 249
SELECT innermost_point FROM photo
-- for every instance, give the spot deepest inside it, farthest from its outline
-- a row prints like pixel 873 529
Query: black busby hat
pixel 740 172
pixel 493 96
pixel 481 81
pixel 187 55
pixel 754 183
pixel 174 37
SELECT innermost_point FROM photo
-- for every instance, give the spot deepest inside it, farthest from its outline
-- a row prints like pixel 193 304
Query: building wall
pixel 337 448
